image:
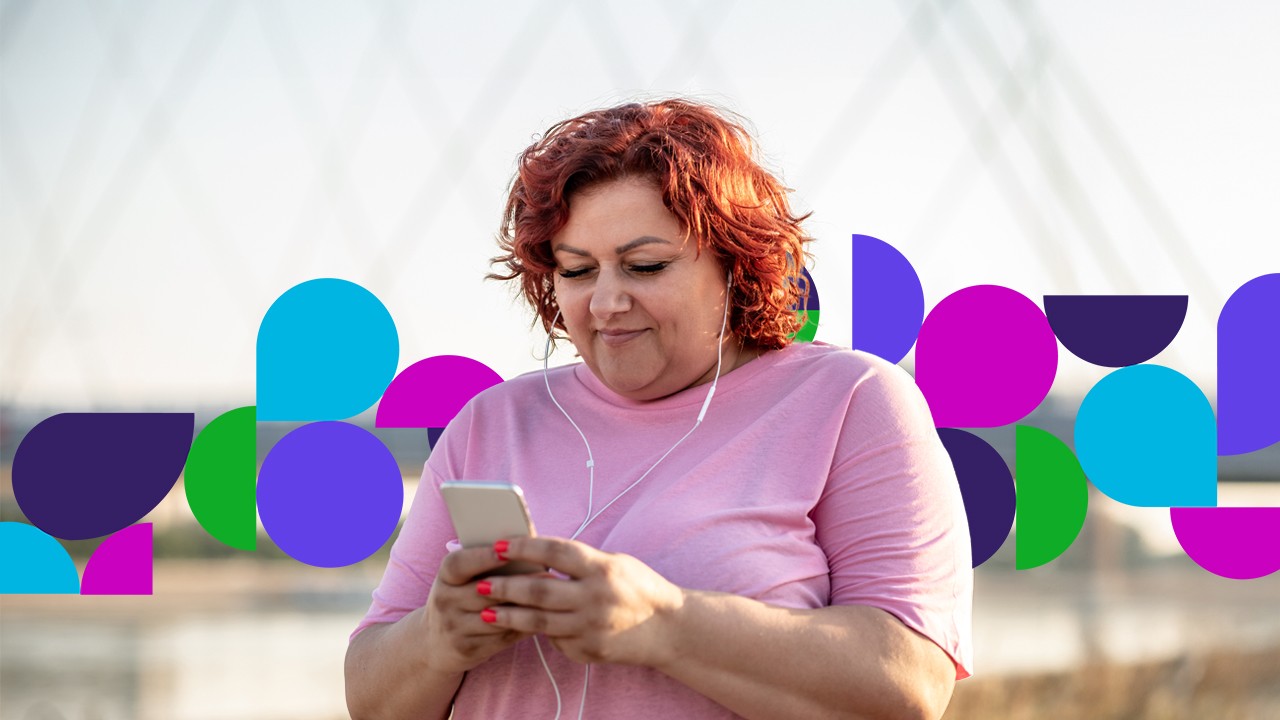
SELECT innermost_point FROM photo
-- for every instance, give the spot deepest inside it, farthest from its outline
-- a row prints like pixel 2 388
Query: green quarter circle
pixel 1053 497
pixel 810 328
pixel 221 478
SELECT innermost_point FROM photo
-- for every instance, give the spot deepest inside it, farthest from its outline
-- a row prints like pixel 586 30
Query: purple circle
pixel 330 494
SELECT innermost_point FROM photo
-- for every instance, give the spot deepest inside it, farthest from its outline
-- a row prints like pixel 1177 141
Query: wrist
pixel 428 650
pixel 674 626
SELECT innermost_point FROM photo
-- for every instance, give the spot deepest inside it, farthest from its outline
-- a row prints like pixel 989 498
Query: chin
pixel 624 380
pixel 622 374
pixel 624 384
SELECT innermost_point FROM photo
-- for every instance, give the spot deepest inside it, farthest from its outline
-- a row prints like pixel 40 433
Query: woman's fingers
pixel 460 566
pixel 535 591
pixel 532 621
pixel 463 599
pixel 575 559
pixel 604 611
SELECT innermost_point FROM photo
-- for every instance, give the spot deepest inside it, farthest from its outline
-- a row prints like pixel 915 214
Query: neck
pixel 735 355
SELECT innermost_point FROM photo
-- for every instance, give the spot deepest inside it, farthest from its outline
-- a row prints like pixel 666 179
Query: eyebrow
pixel 621 249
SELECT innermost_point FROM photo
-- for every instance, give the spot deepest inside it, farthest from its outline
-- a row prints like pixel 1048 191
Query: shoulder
pixel 879 400
pixel 820 354
pixel 834 366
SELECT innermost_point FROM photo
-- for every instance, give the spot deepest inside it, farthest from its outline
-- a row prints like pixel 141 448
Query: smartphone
pixel 485 512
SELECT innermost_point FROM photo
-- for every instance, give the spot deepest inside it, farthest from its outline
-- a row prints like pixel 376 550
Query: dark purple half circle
pixel 986 485
pixel 811 303
pixel 1115 330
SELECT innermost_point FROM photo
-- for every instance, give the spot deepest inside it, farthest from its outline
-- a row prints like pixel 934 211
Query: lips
pixel 614 338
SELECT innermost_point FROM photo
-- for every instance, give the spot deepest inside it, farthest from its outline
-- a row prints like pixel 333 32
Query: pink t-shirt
pixel 817 478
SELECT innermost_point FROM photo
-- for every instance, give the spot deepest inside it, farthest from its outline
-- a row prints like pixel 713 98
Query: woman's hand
pixel 457 638
pixel 612 608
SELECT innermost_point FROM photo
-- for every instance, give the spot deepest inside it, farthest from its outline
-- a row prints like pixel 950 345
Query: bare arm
pixel 763 661
pixel 389 675
pixel 760 661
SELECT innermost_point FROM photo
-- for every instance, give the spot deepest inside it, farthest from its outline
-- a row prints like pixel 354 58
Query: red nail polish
pixel 500 548
pixel 484 587
pixel 488 615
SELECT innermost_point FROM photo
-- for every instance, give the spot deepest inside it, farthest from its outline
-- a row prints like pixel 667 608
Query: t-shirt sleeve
pixel 415 556
pixel 891 519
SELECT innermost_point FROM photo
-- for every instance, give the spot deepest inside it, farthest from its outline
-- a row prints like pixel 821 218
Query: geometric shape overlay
pixel 809 330
pixel 809 313
pixel 1146 437
pixel 85 475
pixel 1115 330
pixel 1053 497
pixel 888 301
pixel 1241 543
pixel 121 565
pixel 330 494
pixel 430 392
pixel 986 357
pixel 986 486
pixel 1249 367
pixel 433 436
pixel 326 350
pixel 33 563
pixel 221 477
pixel 811 302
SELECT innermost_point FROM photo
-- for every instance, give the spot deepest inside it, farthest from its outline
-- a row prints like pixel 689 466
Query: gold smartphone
pixel 485 512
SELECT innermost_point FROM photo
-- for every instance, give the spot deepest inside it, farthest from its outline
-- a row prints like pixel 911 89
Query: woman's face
pixel 642 308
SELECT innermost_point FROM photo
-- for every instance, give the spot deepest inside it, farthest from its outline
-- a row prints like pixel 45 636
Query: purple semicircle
pixel 888 300
pixel 1115 330
pixel 1249 367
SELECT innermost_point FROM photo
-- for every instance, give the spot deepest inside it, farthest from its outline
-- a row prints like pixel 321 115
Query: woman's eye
pixel 648 269
pixel 574 273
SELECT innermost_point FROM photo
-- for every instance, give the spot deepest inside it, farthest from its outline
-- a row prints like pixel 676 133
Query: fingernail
pixel 484 587
pixel 500 548
pixel 488 615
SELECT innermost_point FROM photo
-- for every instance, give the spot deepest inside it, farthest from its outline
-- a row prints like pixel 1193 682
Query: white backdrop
pixel 169 168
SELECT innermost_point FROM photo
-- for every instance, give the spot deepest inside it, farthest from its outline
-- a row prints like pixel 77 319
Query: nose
pixel 610 295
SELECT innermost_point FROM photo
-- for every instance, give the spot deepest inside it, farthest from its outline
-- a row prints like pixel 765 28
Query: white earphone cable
pixel 591 471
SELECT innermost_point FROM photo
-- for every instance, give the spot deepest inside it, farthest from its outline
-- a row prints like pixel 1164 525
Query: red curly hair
pixel 703 161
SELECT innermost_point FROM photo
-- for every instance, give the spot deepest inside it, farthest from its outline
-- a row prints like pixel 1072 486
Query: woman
pixel 737 526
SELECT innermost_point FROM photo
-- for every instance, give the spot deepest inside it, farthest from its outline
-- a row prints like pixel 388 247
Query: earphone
pixel 591 465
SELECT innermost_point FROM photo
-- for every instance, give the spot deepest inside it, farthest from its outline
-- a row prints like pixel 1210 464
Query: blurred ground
pixel 1217 686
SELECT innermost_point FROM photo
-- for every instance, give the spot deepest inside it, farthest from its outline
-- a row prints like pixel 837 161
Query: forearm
pixel 389 676
pixel 762 661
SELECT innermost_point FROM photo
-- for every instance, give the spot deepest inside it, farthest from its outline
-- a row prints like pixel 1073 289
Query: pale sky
pixel 168 169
